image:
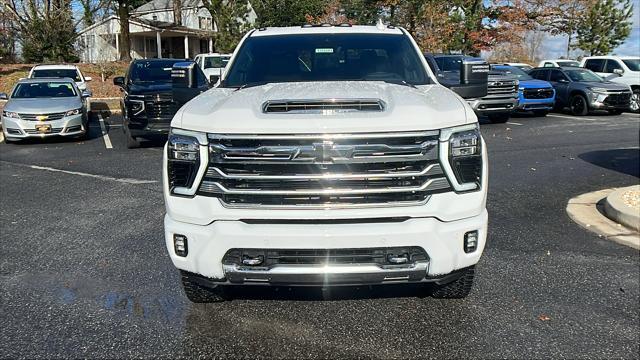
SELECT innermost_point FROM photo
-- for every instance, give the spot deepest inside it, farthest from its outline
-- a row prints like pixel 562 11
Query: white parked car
pixel 620 69
pixel 60 71
pixel 559 63
pixel 326 156
pixel 212 64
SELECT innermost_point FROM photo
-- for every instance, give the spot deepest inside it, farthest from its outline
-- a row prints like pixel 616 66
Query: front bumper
pixel 22 129
pixel 442 241
pixel 608 101
pixel 492 106
pixel 535 104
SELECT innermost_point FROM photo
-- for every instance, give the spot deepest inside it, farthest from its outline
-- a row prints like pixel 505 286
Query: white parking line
pixel 1 136
pixel 513 123
pixel 99 177
pixel 572 117
pixel 105 136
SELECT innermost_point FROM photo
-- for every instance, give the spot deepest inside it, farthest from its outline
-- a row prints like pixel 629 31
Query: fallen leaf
pixel 533 169
pixel 544 317
pixel 548 252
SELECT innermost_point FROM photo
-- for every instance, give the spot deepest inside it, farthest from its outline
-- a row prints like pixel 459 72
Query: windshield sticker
pixel 324 51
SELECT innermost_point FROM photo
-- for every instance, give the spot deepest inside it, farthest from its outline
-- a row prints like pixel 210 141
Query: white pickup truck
pixel 327 155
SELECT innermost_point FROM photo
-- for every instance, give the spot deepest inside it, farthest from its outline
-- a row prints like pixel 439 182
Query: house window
pixel 205 23
pixel 154 17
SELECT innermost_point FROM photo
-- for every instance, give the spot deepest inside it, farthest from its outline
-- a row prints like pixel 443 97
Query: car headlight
pixel 183 159
pixel 598 90
pixel 462 148
pixel 10 114
pixel 73 112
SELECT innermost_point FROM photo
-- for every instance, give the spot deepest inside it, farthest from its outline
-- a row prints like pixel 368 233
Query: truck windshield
pixel 151 71
pixel 326 57
pixel 632 64
pixel 215 62
pixel 43 90
pixel 513 71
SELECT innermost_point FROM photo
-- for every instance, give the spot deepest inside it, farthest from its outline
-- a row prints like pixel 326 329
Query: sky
pixel 555 46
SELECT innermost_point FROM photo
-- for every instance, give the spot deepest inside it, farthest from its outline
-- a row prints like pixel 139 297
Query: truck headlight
pixel 464 156
pixel 10 114
pixel 183 156
pixel 136 106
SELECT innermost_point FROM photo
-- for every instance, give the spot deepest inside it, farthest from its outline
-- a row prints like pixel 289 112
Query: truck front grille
pixel 160 106
pixel 502 89
pixel 537 93
pixel 324 170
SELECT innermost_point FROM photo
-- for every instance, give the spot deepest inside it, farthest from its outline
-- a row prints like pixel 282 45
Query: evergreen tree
pixel 604 27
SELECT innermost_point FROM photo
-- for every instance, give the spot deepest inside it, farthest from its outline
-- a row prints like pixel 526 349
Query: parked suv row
pixel 581 90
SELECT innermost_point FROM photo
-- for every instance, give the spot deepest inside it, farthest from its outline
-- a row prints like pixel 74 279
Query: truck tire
pixel 578 105
pixel 132 142
pixel 635 100
pixel 198 293
pixel 456 289
pixel 499 118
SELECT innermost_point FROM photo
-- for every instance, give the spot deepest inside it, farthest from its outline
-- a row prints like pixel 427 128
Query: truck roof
pixel 55 66
pixel 327 29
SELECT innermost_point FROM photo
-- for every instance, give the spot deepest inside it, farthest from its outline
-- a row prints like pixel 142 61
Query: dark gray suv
pixel 581 90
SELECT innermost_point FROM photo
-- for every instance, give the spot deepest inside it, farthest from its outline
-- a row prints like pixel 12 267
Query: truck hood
pixel 231 111
pixel 534 84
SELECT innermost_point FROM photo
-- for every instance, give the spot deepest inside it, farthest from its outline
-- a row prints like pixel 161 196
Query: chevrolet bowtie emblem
pixel 322 151
pixel 42 117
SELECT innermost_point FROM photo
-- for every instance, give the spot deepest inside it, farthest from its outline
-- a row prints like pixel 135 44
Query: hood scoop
pixel 322 106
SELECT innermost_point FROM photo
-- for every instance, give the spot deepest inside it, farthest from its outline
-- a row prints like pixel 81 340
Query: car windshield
pixel 567 63
pixel 56 73
pixel 326 57
pixel 632 64
pixel 216 62
pixel 151 71
pixel 583 75
pixel 44 90
pixel 513 71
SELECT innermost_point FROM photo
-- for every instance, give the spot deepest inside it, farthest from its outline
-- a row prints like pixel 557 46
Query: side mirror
pixel 86 94
pixel 474 78
pixel 187 81
pixel 88 78
pixel 618 71
pixel 4 96
pixel 118 81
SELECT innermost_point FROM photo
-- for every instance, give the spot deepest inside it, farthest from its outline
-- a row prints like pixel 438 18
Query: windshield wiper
pixel 249 85
pixel 400 82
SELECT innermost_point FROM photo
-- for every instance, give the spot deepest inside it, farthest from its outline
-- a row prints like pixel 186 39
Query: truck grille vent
pixel 319 106
pixel 537 93
pixel 324 171
pixel 501 89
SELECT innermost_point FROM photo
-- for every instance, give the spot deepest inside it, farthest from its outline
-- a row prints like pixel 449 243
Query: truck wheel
pixel 578 105
pixel 499 118
pixel 457 289
pixel 198 293
pixel 635 101
pixel 540 113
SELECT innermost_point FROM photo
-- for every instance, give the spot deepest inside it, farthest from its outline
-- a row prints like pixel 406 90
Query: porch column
pixel 210 45
pixel 144 39
pixel 118 46
pixel 158 44
pixel 186 47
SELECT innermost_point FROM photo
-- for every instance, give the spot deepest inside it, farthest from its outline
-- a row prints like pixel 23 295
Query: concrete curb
pixel 617 209
pixel 584 210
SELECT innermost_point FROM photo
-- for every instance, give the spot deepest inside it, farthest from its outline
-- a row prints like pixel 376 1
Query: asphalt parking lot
pixel 85 273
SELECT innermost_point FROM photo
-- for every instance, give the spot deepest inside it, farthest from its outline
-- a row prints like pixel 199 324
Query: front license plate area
pixel 43 128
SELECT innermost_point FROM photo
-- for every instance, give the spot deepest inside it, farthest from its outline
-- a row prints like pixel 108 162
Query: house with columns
pixel 153 33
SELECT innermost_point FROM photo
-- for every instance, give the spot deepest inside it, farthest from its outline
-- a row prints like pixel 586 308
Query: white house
pixel 153 33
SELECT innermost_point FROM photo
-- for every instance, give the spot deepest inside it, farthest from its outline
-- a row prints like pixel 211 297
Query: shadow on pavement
pixel 626 161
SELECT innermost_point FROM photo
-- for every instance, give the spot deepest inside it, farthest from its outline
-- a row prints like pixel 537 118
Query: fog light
pixel 180 245
pixel 470 241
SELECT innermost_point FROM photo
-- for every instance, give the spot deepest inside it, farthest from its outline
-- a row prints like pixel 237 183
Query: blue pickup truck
pixel 537 96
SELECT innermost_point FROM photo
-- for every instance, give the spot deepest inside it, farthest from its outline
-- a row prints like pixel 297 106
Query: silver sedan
pixel 39 108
